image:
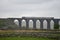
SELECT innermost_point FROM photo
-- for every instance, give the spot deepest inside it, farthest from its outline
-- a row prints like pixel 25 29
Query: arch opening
pixel 23 24
pixel 44 24
pixel 30 24
pixel 16 22
pixel 51 24
pixel 37 24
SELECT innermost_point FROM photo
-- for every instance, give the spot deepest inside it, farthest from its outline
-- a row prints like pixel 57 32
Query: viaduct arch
pixel 34 19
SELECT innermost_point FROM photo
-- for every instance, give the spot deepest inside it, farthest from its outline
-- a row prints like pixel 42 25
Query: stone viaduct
pixel 34 19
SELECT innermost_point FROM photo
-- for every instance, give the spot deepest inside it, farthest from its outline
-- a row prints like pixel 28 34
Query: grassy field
pixel 26 37
pixel 23 38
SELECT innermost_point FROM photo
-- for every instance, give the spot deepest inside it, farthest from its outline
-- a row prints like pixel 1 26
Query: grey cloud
pixel 30 1
pixel 18 8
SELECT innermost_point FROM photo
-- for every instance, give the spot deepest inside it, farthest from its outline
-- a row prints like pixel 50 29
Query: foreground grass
pixel 23 38
pixel 27 37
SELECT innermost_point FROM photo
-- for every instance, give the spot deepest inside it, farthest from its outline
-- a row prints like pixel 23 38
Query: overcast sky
pixel 39 8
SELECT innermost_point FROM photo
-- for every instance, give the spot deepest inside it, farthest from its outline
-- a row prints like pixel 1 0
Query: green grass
pixel 2 23
pixel 23 38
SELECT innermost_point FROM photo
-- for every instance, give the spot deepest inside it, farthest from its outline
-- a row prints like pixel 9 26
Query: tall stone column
pixel 27 24
pixel 48 24
pixel 34 24
pixel 20 21
pixel 41 24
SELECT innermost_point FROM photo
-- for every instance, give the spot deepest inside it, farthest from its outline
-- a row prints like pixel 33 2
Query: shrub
pixel 56 26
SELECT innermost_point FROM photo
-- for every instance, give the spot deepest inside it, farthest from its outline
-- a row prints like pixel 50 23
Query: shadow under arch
pixel 45 24
pixel 30 24
pixel 37 24
pixel 51 24
pixel 23 24
pixel 59 24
